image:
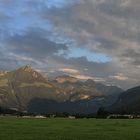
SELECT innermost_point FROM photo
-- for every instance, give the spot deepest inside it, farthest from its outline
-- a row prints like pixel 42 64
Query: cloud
pixel 80 75
pixel 120 77
pixel 51 34
pixel 132 57
pixel 69 70
pixel 109 27
pixel 34 43
pixel 83 77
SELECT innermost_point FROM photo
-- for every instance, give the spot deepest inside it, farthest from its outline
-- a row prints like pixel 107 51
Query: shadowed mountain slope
pixel 128 102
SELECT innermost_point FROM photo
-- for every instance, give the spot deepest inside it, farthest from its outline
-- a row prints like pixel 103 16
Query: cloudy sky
pixel 98 39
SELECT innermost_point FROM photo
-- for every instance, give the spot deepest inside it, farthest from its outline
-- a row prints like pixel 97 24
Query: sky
pixel 96 39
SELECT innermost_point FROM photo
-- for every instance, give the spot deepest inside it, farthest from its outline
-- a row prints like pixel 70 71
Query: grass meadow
pixel 68 129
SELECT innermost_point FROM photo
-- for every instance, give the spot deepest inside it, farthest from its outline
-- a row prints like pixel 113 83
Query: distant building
pixel 26 117
pixel 117 116
pixel 40 117
pixel 71 117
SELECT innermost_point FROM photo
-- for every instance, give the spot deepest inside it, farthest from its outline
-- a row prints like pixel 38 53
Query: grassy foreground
pixel 66 129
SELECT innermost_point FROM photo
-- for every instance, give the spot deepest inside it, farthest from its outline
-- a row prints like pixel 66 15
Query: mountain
pixel 128 102
pixel 82 97
pixel 27 89
pixel 18 87
pixel 75 89
pixel 78 90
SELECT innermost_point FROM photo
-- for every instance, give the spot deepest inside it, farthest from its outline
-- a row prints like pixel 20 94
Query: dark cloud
pixel 133 56
pixel 120 9
pixel 94 68
pixel 35 44
pixel 42 33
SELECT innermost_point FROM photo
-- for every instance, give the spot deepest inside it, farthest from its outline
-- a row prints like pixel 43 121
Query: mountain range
pixel 26 89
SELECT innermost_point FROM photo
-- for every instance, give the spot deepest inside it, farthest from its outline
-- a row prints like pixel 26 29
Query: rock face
pixel 25 87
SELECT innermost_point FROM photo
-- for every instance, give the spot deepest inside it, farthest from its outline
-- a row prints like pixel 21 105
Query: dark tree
pixel 102 113
pixel 0 110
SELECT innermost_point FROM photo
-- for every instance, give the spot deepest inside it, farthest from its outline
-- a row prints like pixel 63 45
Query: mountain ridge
pixel 19 87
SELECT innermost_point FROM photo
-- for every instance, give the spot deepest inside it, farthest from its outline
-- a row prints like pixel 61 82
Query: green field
pixel 66 129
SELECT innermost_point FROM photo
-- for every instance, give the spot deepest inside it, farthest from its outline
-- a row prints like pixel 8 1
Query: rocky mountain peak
pixel 28 74
pixel 28 68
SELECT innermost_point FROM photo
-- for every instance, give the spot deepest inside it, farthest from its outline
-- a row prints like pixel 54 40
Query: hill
pixel 128 102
